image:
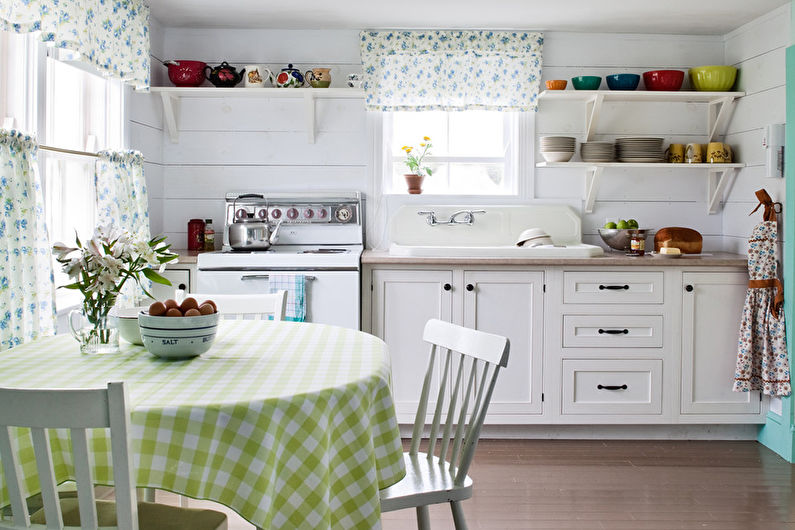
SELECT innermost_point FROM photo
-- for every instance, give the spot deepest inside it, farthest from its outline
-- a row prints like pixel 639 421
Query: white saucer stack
pixel 597 151
pixel 558 148
pixel 640 149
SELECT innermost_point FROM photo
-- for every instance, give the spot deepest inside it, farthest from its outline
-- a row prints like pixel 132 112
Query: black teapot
pixel 224 75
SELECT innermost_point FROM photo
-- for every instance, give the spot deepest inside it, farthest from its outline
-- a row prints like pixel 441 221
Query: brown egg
pixel 170 303
pixel 215 307
pixel 157 309
pixel 189 303
pixel 173 312
pixel 192 312
pixel 206 309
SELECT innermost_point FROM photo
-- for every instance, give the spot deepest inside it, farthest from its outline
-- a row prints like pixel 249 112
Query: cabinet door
pixel 402 302
pixel 510 303
pixel 179 278
pixel 711 313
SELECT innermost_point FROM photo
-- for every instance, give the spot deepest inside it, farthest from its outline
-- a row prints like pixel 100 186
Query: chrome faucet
pixel 461 217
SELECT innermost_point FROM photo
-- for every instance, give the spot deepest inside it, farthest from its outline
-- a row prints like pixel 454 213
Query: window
pixel 17 60
pixel 474 152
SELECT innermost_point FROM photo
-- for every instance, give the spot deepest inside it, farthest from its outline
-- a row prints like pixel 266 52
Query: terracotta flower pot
pixel 414 182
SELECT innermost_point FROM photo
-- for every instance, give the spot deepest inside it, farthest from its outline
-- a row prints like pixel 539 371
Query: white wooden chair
pixel 79 410
pixel 260 306
pixel 471 364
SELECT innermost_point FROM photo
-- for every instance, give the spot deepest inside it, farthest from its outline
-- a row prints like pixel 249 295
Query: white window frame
pixel 518 130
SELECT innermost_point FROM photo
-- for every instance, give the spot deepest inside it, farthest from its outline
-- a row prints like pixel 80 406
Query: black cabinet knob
pixel 182 287
pixel 689 288
pixel 470 287
pixel 447 287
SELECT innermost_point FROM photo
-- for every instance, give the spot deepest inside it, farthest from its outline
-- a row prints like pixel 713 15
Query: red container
pixel 196 234
pixel 663 79
pixel 186 73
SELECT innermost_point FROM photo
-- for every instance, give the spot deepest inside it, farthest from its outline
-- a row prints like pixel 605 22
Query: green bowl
pixel 586 82
pixel 713 78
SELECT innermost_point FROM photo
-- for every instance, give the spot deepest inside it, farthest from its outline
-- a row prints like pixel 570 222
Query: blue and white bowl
pixel 178 337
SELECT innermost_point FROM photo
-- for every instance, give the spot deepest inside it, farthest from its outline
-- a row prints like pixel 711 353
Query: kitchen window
pixel 17 66
pixel 474 152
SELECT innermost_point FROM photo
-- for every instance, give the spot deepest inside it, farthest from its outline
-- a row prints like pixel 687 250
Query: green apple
pixel 622 225
pixel 609 224
pixel 632 223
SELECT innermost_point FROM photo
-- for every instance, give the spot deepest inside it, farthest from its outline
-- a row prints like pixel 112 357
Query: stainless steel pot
pixel 253 234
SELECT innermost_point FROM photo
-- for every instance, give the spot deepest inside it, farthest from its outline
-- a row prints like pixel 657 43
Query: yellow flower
pixel 405 147
pixel 426 138
pixel 408 150
pixel 422 145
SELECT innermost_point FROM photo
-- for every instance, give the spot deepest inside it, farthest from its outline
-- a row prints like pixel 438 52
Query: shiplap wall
pixel 260 145
pixel 757 49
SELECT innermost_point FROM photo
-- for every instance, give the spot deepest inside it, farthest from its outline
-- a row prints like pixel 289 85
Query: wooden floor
pixel 638 485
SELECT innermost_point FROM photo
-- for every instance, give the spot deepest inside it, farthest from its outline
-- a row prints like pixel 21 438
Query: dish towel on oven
pixel 295 285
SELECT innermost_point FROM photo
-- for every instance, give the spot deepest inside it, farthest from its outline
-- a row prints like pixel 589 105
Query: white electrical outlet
pixel 773 142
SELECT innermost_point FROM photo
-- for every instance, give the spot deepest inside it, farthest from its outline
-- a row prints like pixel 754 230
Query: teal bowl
pixel 713 78
pixel 586 82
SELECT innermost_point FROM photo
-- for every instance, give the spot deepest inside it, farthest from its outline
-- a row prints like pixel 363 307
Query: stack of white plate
pixel 640 149
pixel 597 151
pixel 557 148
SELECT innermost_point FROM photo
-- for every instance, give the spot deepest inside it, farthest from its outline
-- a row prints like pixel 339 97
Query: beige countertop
pixel 714 259
pixel 187 257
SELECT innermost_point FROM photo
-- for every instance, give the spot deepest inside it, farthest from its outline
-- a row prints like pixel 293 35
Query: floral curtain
pixel 113 35
pixel 122 202
pixel 27 293
pixel 451 70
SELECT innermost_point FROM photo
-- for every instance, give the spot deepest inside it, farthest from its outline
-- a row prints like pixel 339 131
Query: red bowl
pixel 663 79
pixel 186 73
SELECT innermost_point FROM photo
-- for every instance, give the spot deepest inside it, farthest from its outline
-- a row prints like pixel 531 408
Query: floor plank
pixel 594 484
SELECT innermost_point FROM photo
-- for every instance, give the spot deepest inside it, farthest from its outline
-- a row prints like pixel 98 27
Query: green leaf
pixel 429 172
pixel 155 277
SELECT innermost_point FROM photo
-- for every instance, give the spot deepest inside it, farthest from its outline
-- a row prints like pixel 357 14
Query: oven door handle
pixel 252 277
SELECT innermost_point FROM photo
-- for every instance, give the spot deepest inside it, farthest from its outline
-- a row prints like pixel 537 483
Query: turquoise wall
pixel 778 433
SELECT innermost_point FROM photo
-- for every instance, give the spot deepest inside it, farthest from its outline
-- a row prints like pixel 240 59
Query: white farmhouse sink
pixel 491 234
pixel 545 251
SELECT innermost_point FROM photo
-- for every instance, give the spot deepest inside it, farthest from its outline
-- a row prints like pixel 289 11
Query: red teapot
pixel 224 75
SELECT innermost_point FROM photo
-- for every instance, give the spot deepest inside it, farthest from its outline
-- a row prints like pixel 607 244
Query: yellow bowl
pixel 713 78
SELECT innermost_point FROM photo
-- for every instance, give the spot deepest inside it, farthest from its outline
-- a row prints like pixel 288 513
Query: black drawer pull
pixel 447 287
pixel 613 331
pixel 614 287
pixel 689 288
pixel 182 287
pixel 470 287
pixel 611 387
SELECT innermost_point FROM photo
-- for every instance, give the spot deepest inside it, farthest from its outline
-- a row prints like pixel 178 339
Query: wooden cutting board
pixel 687 240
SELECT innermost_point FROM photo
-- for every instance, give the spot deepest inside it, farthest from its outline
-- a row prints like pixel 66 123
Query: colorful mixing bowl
pixel 713 78
pixel 622 81
pixel 586 82
pixel 663 79
pixel 556 84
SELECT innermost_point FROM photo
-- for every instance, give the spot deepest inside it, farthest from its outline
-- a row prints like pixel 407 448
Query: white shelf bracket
pixel 718 116
pixel 592 175
pixel 309 103
pixel 171 115
pixel 592 109
pixel 718 179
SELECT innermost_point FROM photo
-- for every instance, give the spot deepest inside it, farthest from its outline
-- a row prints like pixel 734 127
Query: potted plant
pixel 414 163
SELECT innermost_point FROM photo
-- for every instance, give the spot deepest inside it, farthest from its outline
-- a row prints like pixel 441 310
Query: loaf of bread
pixel 687 240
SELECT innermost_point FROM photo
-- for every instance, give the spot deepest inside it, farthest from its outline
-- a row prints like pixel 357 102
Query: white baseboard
pixel 614 432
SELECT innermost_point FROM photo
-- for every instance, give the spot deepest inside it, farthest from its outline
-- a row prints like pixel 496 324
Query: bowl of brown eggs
pixel 179 331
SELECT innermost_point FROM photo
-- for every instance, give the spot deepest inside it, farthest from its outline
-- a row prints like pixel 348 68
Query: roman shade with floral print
pixel 451 70
pixel 27 294
pixel 113 35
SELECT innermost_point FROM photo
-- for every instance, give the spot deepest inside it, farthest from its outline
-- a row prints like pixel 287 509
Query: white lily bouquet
pixel 100 268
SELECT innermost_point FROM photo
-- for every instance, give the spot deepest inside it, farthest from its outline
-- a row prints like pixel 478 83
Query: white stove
pixel 321 238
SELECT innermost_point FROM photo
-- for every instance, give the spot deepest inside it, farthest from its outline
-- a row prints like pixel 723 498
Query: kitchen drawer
pixel 612 386
pixel 596 287
pixel 612 331
pixel 179 278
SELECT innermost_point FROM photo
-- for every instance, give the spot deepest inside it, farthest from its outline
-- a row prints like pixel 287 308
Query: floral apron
pixel 762 362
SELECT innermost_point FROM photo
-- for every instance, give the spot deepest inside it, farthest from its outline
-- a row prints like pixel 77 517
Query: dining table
pixel 289 424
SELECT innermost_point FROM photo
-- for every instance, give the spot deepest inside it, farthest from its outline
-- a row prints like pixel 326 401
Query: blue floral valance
pixel 113 35
pixel 451 70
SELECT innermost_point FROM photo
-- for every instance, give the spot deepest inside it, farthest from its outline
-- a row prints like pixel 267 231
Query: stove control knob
pixel 308 213
pixel 292 213
pixel 322 213
pixel 262 213
pixel 343 213
pixel 276 213
pixel 241 213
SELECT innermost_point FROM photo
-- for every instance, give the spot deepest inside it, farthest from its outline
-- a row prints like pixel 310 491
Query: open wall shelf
pixel 171 97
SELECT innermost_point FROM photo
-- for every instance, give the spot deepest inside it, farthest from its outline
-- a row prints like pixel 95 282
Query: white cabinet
pixel 597 387
pixel 711 310
pixel 181 277
pixel 508 303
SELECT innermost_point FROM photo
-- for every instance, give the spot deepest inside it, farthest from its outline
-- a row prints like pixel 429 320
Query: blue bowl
pixel 623 81
pixel 586 82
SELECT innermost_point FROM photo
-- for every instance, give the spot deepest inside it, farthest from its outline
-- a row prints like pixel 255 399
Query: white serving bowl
pixel 557 156
pixel 126 320
pixel 178 337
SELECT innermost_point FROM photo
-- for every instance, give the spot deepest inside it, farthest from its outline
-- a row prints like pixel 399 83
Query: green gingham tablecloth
pixel 291 425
